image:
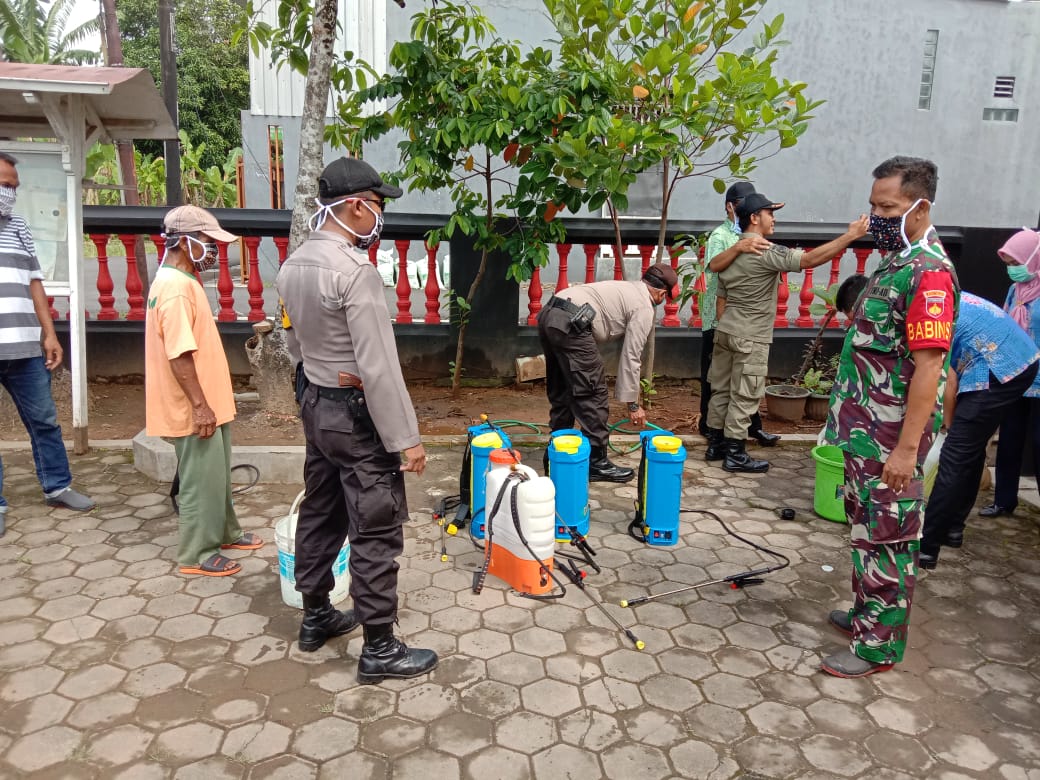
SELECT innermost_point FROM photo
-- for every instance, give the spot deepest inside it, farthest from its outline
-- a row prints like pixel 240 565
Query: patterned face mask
pixel 8 195
pixel 890 232
pixel 209 254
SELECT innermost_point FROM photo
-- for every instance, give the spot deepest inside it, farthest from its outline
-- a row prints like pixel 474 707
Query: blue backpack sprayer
pixel 658 510
pixel 568 457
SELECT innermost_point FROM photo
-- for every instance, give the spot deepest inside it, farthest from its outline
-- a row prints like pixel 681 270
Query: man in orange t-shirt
pixel 188 395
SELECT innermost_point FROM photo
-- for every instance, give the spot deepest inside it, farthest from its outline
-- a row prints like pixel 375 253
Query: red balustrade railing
pixel 861 259
pixel 404 286
pixel 781 303
pixel 431 288
pixel 671 308
pixel 281 243
pixel 805 298
pixel 591 250
pixel 134 287
pixel 534 296
pixel 225 287
pixel 255 284
pixel 562 250
pixel 105 286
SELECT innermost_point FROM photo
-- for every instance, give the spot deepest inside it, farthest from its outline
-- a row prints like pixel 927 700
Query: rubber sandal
pixel 215 565
pixel 245 542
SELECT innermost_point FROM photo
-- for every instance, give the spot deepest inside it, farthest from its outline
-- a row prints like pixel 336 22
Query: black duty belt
pixel 337 393
pixel 563 303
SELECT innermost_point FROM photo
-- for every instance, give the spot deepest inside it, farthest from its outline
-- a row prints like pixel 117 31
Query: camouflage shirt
pixel 909 304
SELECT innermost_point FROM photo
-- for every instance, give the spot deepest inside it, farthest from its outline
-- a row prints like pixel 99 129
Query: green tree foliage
pixel 631 84
pixel 210 187
pixel 460 96
pixel 682 84
pixel 32 31
pixel 212 70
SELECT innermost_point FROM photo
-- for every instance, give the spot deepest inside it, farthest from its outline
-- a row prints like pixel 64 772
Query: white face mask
pixel 8 196
pixel 361 242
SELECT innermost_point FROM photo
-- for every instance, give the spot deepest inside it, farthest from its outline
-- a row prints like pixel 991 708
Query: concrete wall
pixel 865 60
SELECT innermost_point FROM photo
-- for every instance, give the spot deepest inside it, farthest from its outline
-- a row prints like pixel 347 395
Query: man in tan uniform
pixel 748 289
pixel 357 418
pixel 569 328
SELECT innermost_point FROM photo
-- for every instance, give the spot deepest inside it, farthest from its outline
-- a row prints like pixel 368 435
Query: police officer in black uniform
pixel 358 420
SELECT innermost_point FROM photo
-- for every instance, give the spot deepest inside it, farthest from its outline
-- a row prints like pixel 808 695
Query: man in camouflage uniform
pixel 883 412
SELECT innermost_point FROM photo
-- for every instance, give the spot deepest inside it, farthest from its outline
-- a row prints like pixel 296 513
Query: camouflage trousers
pixel 885 527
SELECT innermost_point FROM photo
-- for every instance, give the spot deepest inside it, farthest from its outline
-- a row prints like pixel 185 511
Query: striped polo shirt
pixel 19 327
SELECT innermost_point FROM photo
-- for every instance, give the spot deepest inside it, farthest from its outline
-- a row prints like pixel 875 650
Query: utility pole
pixel 168 74
pixel 124 149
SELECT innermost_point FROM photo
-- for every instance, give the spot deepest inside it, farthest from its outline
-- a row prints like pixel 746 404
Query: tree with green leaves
pixel 688 87
pixel 212 69
pixel 32 31
pixel 461 98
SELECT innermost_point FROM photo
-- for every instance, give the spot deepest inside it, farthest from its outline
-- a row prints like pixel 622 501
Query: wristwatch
pixel 633 406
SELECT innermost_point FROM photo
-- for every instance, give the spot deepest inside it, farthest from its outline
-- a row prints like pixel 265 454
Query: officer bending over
pixel 569 327
pixel 357 417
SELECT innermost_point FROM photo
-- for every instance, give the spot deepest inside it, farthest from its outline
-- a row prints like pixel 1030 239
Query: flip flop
pixel 215 565
pixel 248 541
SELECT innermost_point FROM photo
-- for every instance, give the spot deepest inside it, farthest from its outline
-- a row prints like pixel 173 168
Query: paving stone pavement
pixel 113 665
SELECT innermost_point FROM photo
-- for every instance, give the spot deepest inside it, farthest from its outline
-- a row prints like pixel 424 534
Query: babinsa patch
pixel 935 303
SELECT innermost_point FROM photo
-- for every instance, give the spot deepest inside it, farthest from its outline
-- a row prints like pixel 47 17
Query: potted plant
pixel 819 384
pixel 786 401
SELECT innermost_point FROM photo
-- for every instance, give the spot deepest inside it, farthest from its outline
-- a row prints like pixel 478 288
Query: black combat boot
pixel 737 459
pixel 764 438
pixel 602 470
pixel 384 655
pixel 714 451
pixel 322 621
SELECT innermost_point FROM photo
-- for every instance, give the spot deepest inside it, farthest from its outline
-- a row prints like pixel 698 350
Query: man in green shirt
pixel 722 238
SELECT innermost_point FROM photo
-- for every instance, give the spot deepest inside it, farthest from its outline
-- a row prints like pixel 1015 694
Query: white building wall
pixel 864 59
pixel 279 91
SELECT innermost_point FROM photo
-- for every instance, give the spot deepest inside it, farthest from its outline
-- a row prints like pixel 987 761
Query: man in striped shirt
pixel 25 326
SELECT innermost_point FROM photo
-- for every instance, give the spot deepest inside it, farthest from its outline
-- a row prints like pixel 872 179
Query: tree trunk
pixel 619 248
pixel 273 369
pixel 312 124
pixel 124 149
pixel 456 374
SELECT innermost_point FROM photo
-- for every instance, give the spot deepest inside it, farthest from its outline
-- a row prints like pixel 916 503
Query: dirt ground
pixel 117 411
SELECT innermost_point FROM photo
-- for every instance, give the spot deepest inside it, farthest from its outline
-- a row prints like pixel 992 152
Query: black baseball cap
pixel 349 176
pixel 756 201
pixel 663 277
pixel 737 192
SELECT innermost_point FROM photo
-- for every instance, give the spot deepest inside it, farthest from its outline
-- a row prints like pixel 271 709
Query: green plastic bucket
pixel 829 495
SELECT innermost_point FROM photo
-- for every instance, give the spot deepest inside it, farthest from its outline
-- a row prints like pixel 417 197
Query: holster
pixel 300 383
pixel 581 320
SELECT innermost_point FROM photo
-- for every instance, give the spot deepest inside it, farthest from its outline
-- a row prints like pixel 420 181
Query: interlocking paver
pixel 37 713
pixel 499 763
pixel 119 745
pixel 634 759
pixel 525 732
pixel 29 683
pixel 44 748
pixel 839 756
pixel 116 666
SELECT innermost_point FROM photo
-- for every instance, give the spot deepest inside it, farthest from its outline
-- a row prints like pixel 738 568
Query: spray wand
pixel 736 581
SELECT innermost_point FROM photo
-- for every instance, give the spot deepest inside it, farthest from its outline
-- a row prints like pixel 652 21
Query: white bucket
pixel 285 539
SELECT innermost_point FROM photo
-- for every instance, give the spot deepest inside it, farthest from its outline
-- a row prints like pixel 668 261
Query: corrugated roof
pixel 125 100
